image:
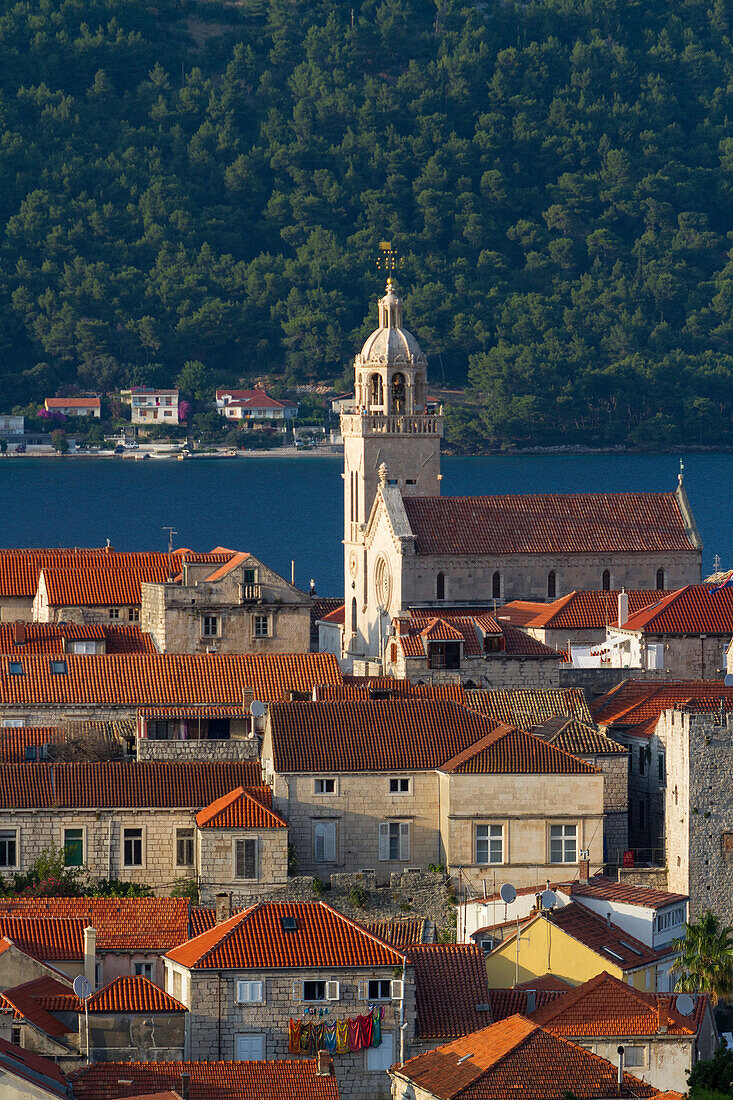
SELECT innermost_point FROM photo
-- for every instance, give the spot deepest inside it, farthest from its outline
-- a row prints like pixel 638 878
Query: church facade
pixel 406 546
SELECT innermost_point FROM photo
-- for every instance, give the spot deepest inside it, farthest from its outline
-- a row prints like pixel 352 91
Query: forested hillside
pixel 192 181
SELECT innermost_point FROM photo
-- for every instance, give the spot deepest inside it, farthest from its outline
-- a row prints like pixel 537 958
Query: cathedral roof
pixel 589 523
pixel 391 343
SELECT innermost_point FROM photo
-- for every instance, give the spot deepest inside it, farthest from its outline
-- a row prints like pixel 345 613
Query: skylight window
pixel 613 954
pixel 15 668
pixel 59 668
pixel 289 924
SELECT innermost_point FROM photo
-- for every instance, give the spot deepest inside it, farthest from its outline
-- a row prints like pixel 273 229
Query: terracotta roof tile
pixel 469 625
pixel 38 1000
pixel 610 942
pixel 203 919
pixel 576 737
pixel 46 939
pixel 255 938
pixel 50 638
pixel 336 616
pixel 440 630
pixel 239 810
pixel 695 609
pixel 450 982
pixel 136 994
pixel 547 982
pixel 580 610
pixel 14 740
pixel 590 523
pixel 32 1067
pixel 606 1007
pixel 510 751
pixel 147 784
pixel 278 1080
pixel 89 587
pixel 607 889
pixel 516 1058
pixel 401 932
pixel 72 403
pixel 509 1002
pixel 122 924
pixel 184 712
pixel 636 707
pixel 133 680
pixel 520 612
pixel 530 707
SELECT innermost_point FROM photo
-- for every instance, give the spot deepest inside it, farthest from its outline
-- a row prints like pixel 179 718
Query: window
pixel 248 576
pixel 133 614
pixel 440 586
pixel 114 612
pixel 98 976
pixel 394 840
pixel 8 847
pixel 262 626
pixel 184 847
pixel 662 769
pixel 399 785
pixel 379 1059
pixel 489 844
pixel 31 753
pixel 563 843
pixel 13 723
pixel 249 1048
pixel 313 991
pixel 15 668
pixel 496 585
pixel 353 615
pixel 324 841
pixel 324 786
pixel 660 580
pixel 552 584
pixel 144 970
pixel 210 626
pixel 606 580
pixel 671 918
pixel 634 1056
pixel 74 847
pixel 444 654
pixel 58 668
pixel 132 847
pixel 642 759
pixel 379 989
pixel 15 1036
pixel 245 858
pixel 250 993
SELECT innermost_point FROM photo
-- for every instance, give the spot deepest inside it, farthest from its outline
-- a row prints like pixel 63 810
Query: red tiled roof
pixel 41 1072
pixel 401 932
pixel 122 924
pixel 38 1000
pixel 50 638
pixel 695 609
pixel 255 938
pixel 607 889
pixel 440 630
pixel 54 939
pixel 508 750
pixel 509 1002
pixel 184 712
pixel 294 1079
pixel 516 1058
pixel 580 610
pixel 520 612
pixel 15 739
pixel 253 399
pixel 636 707
pixel 148 784
pixel 72 403
pixel 470 626
pixel 548 982
pixel 609 941
pixel 238 810
pixel 605 1007
pixel 592 523
pixel 88 587
pixel 136 994
pixel 450 982
pixel 336 616
pixel 171 679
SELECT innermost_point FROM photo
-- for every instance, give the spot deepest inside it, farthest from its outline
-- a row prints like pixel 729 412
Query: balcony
pixel 250 593
pixel 363 423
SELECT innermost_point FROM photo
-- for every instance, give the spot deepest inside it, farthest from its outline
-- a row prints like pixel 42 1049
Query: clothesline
pixel 337 1036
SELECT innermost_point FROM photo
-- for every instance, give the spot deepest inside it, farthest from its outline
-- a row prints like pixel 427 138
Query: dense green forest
pixel 200 181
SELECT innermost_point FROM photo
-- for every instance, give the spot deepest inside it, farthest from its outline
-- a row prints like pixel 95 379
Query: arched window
pixel 551 584
pixel 377 392
pixel 606 582
pixel 496 585
pixel 440 586
pixel 353 615
pixel 398 394
pixel 660 579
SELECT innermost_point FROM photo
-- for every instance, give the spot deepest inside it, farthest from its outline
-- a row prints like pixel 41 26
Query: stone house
pixel 27 1076
pixel 579 618
pixel 151 408
pixel 686 633
pixel 698 740
pixel 492 1061
pixel 389 785
pixel 20 570
pixel 74 406
pixel 563 717
pixel 471 646
pixel 242 606
pixel 38 690
pixel 257 984
pixel 131 936
pixel 661 1043
pixel 135 822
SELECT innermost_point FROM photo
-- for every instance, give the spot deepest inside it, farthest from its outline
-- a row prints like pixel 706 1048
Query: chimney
pixel 324 1064
pixel 248 695
pixel 662 1015
pixel 608 919
pixel 185 1085
pixel 584 869
pixel 19 633
pixel 223 904
pixel 623 607
pixel 620 1079
pixel 531 1001
pixel 90 956
pixel 401 626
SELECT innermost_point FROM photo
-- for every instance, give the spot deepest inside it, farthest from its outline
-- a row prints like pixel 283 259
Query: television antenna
pixel 171 532
pixel 83 989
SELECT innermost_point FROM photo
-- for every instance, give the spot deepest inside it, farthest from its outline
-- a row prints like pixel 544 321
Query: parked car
pixel 119 449
pixel 20 448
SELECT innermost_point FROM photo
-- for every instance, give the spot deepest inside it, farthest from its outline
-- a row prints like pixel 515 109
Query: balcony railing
pixel 250 593
pixel 379 424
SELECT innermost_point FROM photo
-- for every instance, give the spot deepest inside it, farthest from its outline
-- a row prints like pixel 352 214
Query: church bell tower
pixel 388 426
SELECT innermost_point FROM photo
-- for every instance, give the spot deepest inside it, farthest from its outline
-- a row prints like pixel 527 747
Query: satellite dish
pixel 548 899
pixel 507 893
pixel 82 987
pixel 257 709
pixel 685 1004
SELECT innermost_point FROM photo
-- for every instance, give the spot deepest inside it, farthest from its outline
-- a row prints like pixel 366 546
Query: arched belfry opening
pixel 398 394
pixel 376 391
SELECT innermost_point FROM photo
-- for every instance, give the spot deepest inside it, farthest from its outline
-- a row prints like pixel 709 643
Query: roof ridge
pixel 500 730
pixel 360 928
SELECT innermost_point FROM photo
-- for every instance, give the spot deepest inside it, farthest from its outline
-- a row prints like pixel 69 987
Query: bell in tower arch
pixel 398 394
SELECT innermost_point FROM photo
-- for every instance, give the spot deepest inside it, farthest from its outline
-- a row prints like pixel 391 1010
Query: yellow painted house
pixel 573 944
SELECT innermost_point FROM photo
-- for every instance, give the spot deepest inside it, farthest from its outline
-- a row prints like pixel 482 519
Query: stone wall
pixel 496 673
pixel 597 681
pixel 234 749
pixel 216 863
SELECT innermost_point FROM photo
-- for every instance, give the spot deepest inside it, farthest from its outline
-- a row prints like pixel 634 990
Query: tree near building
pixel 706 961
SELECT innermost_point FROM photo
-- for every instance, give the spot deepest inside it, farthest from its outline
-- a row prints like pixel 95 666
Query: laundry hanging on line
pixel 336 1036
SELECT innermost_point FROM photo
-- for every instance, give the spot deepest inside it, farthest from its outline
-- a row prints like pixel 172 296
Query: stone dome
pixel 390 343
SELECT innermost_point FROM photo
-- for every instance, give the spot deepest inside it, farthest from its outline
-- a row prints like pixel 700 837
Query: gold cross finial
pixel 388 259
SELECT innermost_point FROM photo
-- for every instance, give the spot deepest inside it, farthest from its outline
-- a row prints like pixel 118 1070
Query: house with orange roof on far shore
pixel 254 406
pixel 237 606
pixel 74 406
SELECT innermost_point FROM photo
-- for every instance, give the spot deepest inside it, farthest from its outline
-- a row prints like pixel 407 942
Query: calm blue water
pixel 283 508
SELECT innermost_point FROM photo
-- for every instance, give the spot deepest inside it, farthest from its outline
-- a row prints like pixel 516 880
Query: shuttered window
pixel 394 840
pixel 324 841
pixel 245 858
